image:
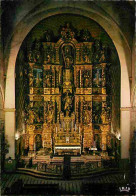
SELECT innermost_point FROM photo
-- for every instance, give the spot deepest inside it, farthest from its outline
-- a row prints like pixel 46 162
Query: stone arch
pixel 25 26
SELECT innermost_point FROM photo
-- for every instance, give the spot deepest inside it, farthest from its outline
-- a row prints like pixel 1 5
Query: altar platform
pixel 60 159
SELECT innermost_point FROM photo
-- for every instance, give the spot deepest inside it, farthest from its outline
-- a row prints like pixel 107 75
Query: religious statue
pixel 30 79
pixel 85 35
pixel 48 83
pixel 37 57
pixel 86 58
pixel 67 33
pixel 97 78
pixel 87 79
pixel 86 54
pixel 67 62
pixel 31 116
pixel 86 116
pixel 50 116
pixel 62 108
pixel 47 36
pixel 68 103
pixel 48 58
pixel 37 118
pixel 67 55
pixel 104 117
pixel 30 56
pixel 102 56
pixel 99 52
pixel 38 81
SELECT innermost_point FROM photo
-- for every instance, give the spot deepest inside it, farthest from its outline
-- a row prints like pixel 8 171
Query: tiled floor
pixel 71 186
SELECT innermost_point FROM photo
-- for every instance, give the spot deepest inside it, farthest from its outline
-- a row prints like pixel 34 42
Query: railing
pixel 50 168
pixel 76 168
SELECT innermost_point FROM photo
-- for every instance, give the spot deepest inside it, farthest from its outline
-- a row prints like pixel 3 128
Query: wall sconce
pixel 119 136
pixel 17 135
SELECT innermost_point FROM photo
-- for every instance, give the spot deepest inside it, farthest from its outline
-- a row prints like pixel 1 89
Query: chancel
pixel 68 97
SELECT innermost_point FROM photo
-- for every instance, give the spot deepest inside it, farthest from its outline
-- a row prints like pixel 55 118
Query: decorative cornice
pixel 9 109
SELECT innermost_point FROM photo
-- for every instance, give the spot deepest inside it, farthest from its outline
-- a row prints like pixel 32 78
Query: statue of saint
pixel 48 84
pixel 67 56
pixel 31 116
pixel 30 56
pixel 68 103
pixel 50 116
pixel 30 79
pixel 86 116
pixel 104 117
pixel 38 80
pixel 97 79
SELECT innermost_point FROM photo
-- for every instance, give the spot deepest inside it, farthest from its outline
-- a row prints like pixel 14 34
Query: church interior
pixel 68 98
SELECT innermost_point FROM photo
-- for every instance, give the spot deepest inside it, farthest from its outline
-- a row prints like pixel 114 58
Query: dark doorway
pixel 38 142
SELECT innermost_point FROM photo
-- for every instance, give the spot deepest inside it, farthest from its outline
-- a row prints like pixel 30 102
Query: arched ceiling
pixel 20 17
pixel 122 13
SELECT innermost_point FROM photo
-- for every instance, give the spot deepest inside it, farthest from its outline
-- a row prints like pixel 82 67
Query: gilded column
pixel 103 79
pixel 53 77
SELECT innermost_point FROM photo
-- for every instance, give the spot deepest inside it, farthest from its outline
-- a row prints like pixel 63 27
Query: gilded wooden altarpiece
pixel 68 107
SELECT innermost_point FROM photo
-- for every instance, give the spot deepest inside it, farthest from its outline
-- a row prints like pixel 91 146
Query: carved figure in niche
pixel 47 36
pixel 38 81
pixel 97 118
pixel 97 78
pixel 87 82
pixel 67 52
pixel 85 35
pixel 37 118
pixel 37 77
pixel 50 116
pixel 67 33
pixel 50 106
pixel 102 56
pixel 49 113
pixel 30 79
pixel 30 56
pixel 86 116
pixel 86 58
pixel 67 62
pixel 37 57
pixel 48 58
pixel 48 83
pixel 68 103
pixel 86 54
pixel 38 109
pixel 103 81
pixel 87 112
pixel 104 116
pixel 31 116
pixel 99 52
pixel 37 45
pixel 97 112
pixel 50 53
pixel 87 79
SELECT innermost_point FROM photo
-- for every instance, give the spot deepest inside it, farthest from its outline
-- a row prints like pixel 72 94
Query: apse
pixel 67 90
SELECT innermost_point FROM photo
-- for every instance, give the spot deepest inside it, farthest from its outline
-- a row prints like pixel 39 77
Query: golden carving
pixel 67 84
